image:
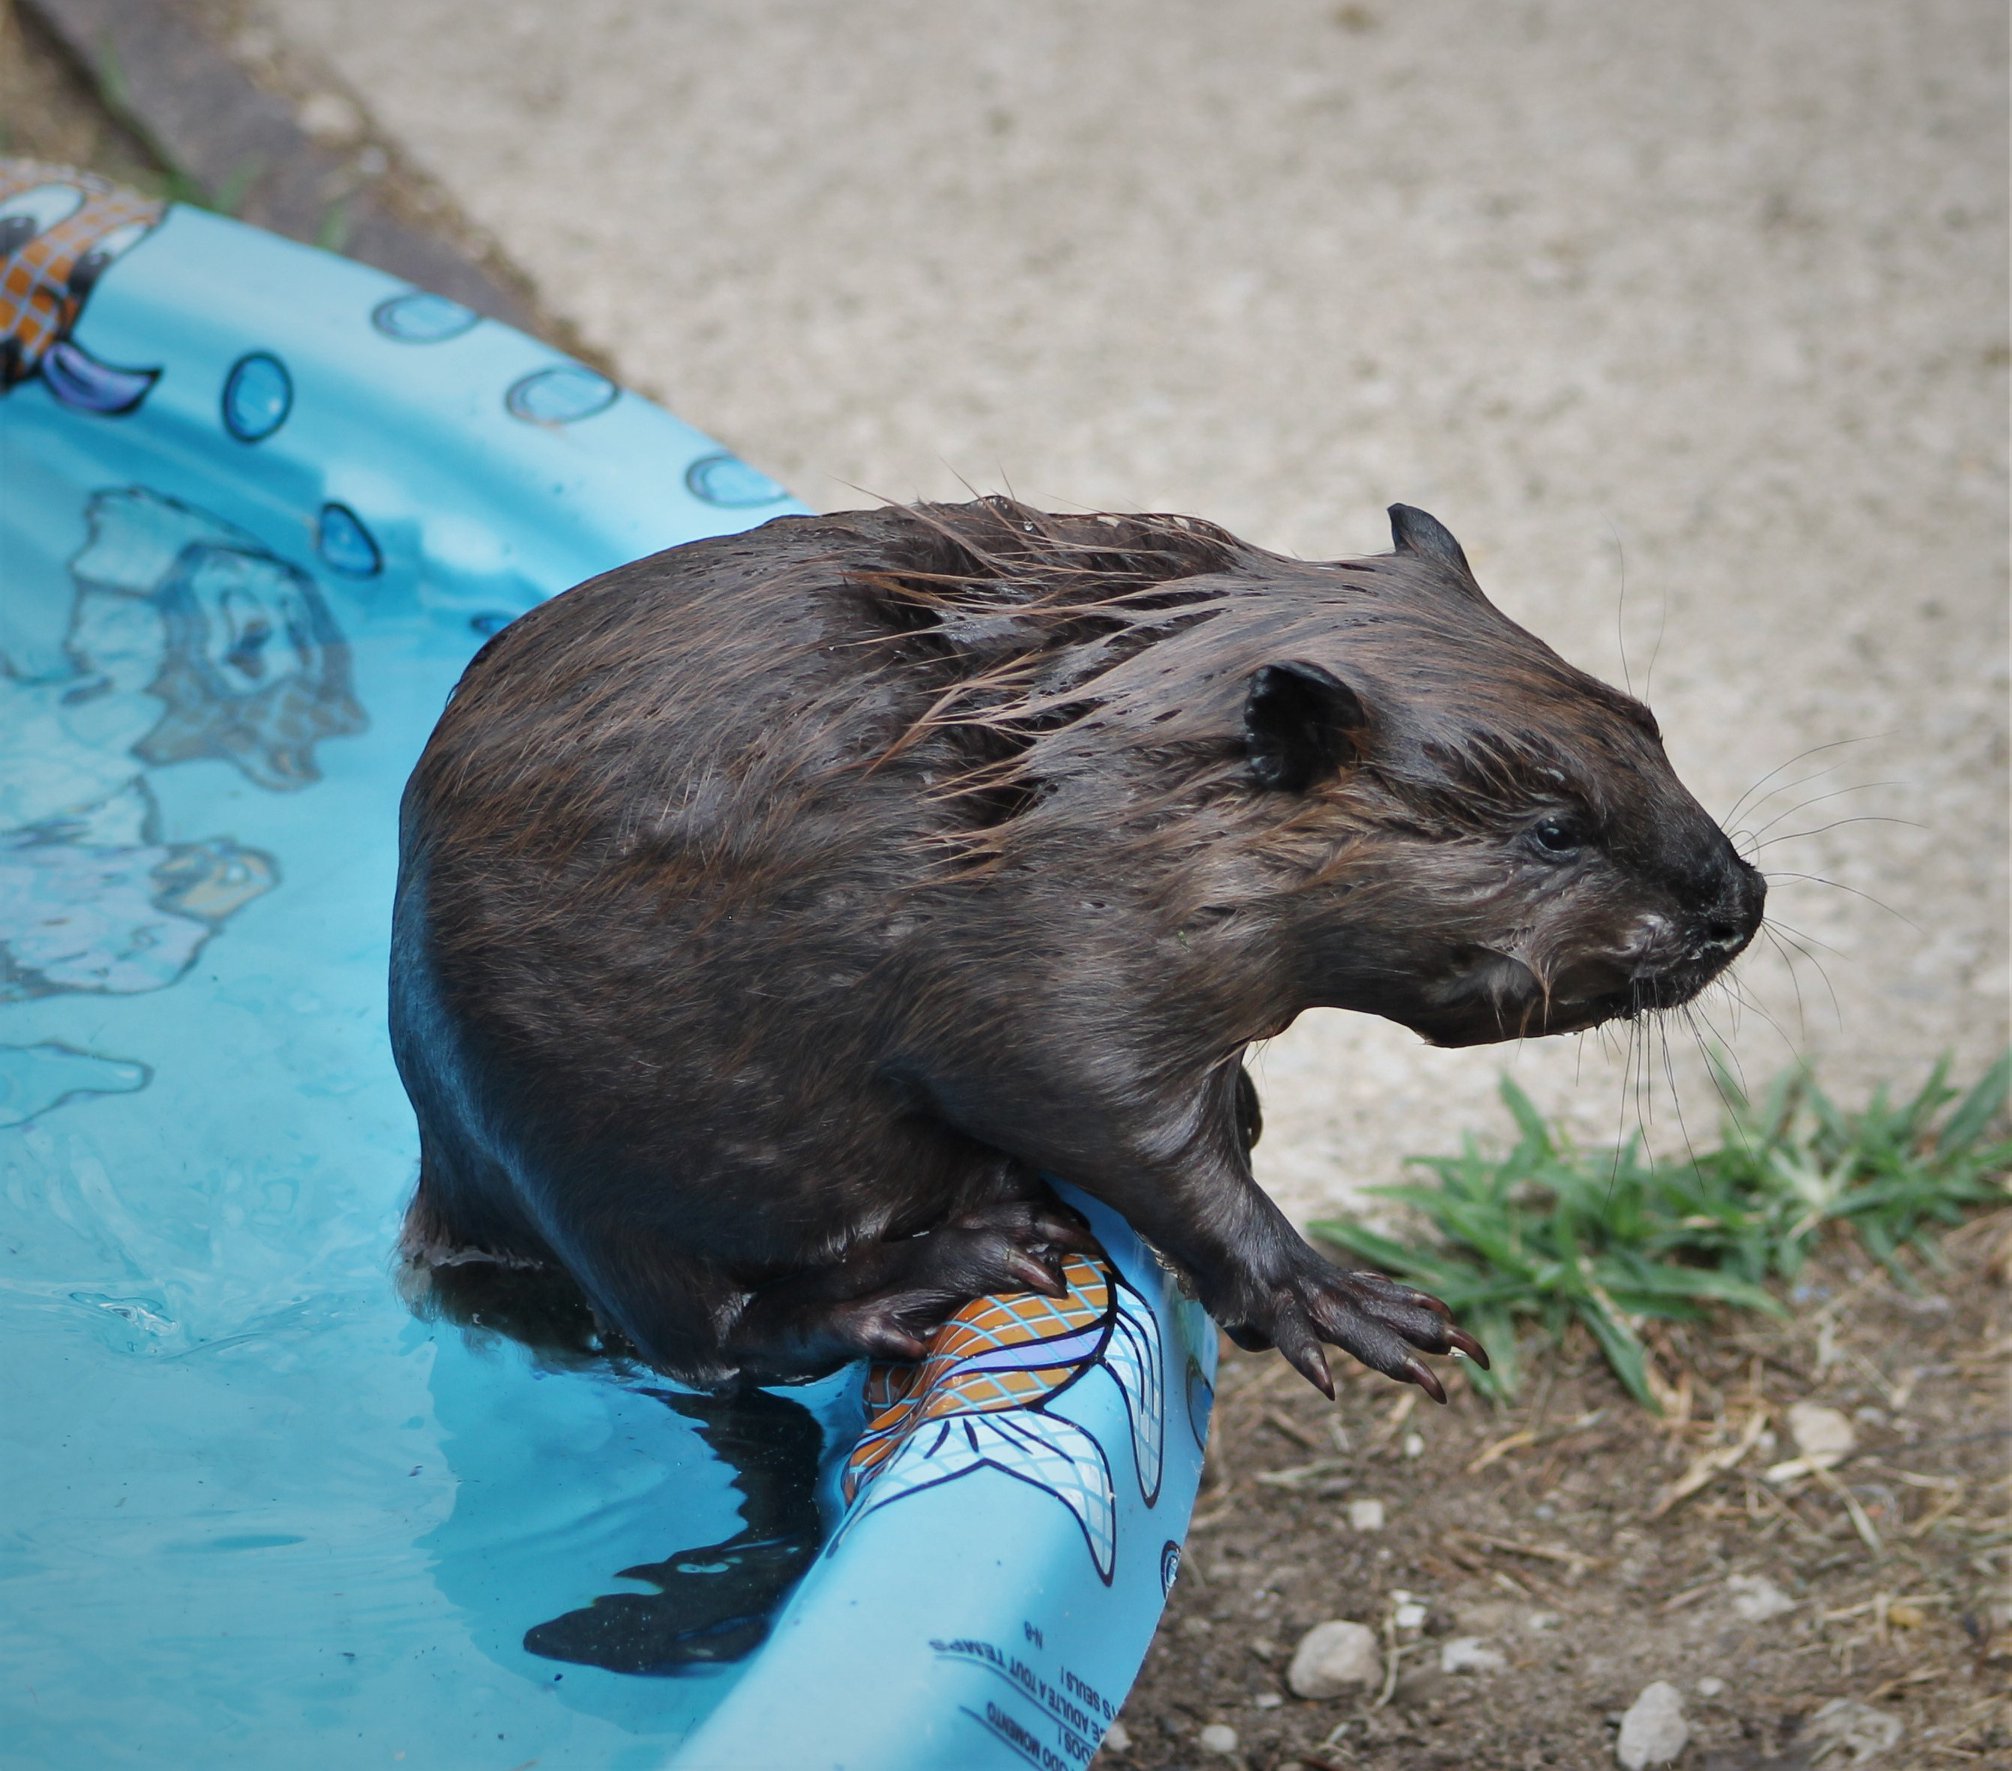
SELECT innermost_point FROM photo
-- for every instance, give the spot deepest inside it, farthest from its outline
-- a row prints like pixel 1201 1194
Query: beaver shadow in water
pixel 714 1603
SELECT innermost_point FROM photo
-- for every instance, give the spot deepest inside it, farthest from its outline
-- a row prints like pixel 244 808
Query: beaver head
pixel 1511 851
pixel 1389 796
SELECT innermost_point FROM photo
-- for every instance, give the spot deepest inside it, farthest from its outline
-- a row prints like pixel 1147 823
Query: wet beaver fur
pixel 774 911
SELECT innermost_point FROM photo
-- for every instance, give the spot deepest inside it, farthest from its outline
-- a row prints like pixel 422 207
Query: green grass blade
pixel 1979 1108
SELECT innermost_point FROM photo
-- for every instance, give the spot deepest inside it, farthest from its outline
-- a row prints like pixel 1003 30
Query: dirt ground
pixel 49 111
pixel 1581 1549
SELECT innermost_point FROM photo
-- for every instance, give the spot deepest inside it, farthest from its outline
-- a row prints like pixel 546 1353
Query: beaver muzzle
pixel 1661 961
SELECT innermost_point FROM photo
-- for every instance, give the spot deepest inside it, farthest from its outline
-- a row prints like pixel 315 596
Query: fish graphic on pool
pixel 187 641
pixel 981 1400
pixel 60 230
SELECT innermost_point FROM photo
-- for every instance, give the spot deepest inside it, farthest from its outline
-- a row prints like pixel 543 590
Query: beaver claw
pixel 1014 1245
pixel 1377 1319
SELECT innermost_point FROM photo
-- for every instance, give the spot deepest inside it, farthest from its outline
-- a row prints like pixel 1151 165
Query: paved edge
pixel 161 72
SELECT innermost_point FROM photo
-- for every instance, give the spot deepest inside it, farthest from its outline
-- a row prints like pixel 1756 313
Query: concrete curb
pixel 159 68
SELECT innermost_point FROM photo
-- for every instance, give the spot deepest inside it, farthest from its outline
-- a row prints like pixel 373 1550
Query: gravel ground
pixel 1691 322
pixel 1521 1576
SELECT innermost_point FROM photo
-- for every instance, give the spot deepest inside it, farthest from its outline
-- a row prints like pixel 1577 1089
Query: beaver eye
pixel 1557 838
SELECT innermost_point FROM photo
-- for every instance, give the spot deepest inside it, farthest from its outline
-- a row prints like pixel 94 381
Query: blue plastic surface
pixel 257 507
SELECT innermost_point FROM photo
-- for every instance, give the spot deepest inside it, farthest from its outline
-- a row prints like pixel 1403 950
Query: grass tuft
pixel 1552 1235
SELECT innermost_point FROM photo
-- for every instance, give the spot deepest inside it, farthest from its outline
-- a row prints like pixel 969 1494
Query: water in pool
pixel 256 1514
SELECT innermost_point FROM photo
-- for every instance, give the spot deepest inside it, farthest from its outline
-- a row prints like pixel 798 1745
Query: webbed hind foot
pixel 885 1299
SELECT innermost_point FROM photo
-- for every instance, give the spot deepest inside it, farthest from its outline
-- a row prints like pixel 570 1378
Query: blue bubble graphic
pixel 1170 1565
pixel 258 394
pixel 560 396
pixel 1201 1394
pixel 727 480
pixel 346 545
pixel 420 318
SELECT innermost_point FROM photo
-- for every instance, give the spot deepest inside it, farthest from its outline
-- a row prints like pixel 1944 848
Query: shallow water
pixel 255 1513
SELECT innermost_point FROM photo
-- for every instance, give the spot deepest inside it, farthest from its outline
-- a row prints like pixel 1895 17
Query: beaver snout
pixel 1660 959
pixel 1712 935
pixel 1676 958
pixel 1733 918
pixel 1722 908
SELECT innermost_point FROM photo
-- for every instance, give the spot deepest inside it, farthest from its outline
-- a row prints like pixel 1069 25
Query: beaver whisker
pixel 1804 936
pixel 1839 824
pixel 1632 1071
pixel 1815 799
pixel 1733 811
pixel 1744 999
pixel 1731 1114
pixel 1840 886
pixel 1803 781
pixel 1795 983
pixel 1676 1096
pixel 1692 1013
pixel 1788 940
pixel 1784 934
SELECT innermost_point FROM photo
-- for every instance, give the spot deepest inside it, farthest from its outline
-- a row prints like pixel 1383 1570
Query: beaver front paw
pixel 1376 1319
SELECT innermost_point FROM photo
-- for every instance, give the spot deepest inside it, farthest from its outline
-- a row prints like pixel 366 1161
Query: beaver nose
pixel 1734 916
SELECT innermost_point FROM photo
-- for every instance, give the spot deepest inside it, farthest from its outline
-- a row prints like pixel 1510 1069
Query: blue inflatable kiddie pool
pixel 258 506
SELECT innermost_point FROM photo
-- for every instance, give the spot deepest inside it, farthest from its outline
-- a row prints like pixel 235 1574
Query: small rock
pixel 1539 1621
pixel 1654 1731
pixel 1711 1687
pixel 1117 1738
pixel 1218 1737
pixel 1414 1445
pixel 1756 1598
pixel 1365 1515
pixel 1266 1700
pixel 330 119
pixel 1855 1733
pixel 1469 1654
pixel 1334 1657
pixel 1409 1614
pixel 1823 1435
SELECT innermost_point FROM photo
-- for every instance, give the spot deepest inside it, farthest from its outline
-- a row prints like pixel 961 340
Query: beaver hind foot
pixel 881 1300
pixel 884 1298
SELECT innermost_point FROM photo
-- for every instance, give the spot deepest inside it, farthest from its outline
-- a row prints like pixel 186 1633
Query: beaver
pixel 775 912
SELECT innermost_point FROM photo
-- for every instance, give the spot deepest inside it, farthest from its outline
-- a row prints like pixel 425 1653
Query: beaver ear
pixel 1423 535
pixel 1301 725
